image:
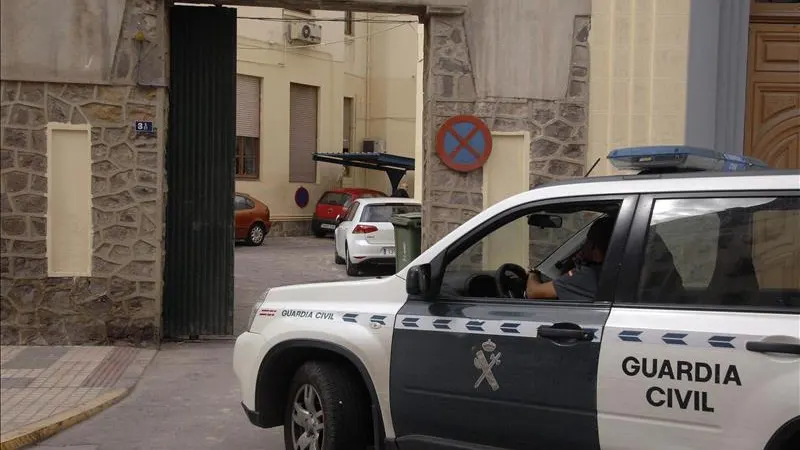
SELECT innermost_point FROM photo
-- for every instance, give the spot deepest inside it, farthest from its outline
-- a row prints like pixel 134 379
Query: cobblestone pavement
pixel 281 261
pixel 189 397
pixel 41 382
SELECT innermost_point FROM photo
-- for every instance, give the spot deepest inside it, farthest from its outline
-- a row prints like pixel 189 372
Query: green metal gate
pixel 198 267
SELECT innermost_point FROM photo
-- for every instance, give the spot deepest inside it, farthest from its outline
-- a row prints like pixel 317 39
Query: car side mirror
pixel 545 221
pixel 339 219
pixel 418 280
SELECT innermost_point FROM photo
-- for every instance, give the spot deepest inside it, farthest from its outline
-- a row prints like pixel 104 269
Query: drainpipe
pixel 367 92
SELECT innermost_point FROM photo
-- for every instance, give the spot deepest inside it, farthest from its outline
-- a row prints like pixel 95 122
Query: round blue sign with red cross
pixel 464 143
pixel 301 197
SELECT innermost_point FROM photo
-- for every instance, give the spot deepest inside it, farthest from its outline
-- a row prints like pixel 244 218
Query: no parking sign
pixel 464 143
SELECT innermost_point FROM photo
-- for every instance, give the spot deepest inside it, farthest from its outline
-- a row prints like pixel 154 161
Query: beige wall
pixel 639 76
pixel 392 90
pixel 376 66
pixel 506 174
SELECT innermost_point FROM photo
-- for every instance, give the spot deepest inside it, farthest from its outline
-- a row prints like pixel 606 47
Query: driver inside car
pixel 580 283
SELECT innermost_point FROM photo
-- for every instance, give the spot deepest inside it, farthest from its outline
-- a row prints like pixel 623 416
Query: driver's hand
pixel 535 275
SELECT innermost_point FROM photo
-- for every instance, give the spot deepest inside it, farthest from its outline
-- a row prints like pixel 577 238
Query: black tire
pixel 316 230
pixel 336 258
pixel 345 411
pixel 256 234
pixel 350 268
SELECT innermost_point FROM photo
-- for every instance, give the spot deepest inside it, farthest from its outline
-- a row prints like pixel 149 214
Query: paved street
pixel 188 397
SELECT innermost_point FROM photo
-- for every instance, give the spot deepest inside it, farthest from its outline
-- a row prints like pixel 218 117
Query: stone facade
pixel 285 228
pixel 557 126
pixel 121 301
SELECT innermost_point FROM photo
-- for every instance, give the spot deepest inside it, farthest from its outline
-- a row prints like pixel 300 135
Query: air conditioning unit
pixel 373 146
pixel 305 33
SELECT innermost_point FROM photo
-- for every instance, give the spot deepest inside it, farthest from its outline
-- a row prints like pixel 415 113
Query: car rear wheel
pixel 325 410
pixel 351 268
pixel 256 234
pixel 336 258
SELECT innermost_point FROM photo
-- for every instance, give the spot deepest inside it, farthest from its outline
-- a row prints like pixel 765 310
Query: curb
pixel 35 432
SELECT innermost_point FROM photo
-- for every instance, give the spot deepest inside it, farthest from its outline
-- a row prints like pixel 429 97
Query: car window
pixel 382 213
pixel 541 242
pixel 249 203
pixel 723 251
pixel 239 203
pixel 520 243
pixel 351 212
pixel 335 199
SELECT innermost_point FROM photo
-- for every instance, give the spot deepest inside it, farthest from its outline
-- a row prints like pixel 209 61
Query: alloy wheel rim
pixel 256 234
pixel 308 425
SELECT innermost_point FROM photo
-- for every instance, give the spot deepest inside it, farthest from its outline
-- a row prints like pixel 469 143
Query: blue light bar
pixel 672 158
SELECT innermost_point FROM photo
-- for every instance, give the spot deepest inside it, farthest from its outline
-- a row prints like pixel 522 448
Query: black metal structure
pixel 395 166
pixel 198 267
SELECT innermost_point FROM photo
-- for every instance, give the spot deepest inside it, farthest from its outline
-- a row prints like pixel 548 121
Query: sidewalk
pixel 47 389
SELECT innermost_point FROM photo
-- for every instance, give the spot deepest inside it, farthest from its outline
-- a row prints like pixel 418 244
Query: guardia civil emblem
pixel 485 360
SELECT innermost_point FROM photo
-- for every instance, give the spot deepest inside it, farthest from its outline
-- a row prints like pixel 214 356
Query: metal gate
pixel 198 267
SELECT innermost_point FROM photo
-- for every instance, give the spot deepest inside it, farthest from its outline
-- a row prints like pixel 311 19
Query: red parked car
pixel 335 202
pixel 251 219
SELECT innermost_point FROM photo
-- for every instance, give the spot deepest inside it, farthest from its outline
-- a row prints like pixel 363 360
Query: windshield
pixel 382 213
pixel 335 198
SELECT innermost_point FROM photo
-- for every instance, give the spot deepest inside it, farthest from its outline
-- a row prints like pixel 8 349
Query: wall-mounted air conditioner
pixel 373 146
pixel 305 33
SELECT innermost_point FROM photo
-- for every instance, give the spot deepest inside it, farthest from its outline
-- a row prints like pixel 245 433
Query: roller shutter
pixel 302 133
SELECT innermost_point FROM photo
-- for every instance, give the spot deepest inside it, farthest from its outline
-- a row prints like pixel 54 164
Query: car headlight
pixel 256 307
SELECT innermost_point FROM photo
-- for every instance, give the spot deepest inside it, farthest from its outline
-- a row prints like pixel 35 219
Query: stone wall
pixel 557 126
pixel 121 301
pixel 286 228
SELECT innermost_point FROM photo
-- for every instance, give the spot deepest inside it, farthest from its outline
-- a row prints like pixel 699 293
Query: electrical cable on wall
pixel 364 36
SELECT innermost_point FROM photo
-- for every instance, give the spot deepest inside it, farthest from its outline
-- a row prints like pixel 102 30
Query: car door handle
pixel 551 332
pixel 772 347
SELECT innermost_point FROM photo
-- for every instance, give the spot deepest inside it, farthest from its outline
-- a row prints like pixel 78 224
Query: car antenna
pixel 592 168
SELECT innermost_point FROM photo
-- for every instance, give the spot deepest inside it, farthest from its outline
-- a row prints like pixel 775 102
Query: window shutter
pixel 302 133
pixel 248 106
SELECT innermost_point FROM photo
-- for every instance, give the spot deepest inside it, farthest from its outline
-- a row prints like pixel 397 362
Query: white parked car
pixel 365 236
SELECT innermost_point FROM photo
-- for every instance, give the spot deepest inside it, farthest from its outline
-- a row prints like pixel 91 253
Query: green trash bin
pixel 407 237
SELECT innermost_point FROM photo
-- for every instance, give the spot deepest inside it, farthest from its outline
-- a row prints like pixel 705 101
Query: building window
pixel 303 110
pixel 300 10
pixel 348 23
pixel 248 126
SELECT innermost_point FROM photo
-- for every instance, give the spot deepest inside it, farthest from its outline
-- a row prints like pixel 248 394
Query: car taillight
pixel 364 229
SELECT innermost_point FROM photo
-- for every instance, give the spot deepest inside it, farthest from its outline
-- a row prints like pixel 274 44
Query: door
pixel 242 216
pixel 772 131
pixel 505 174
pixel 198 274
pixel 702 347
pixel 340 234
pixel 473 368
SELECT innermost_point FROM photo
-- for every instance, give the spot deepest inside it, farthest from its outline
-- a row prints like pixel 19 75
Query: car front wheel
pixel 325 410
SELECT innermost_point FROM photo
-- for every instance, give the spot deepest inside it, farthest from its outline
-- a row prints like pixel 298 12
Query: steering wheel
pixel 511 280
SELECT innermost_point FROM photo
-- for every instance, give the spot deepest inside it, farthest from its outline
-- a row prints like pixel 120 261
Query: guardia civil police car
pixel 662 312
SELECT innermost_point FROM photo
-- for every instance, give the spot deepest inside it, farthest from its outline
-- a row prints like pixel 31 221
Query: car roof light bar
pixel 678 158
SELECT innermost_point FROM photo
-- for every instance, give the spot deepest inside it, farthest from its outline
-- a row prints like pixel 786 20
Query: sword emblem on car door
pixel 486 365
